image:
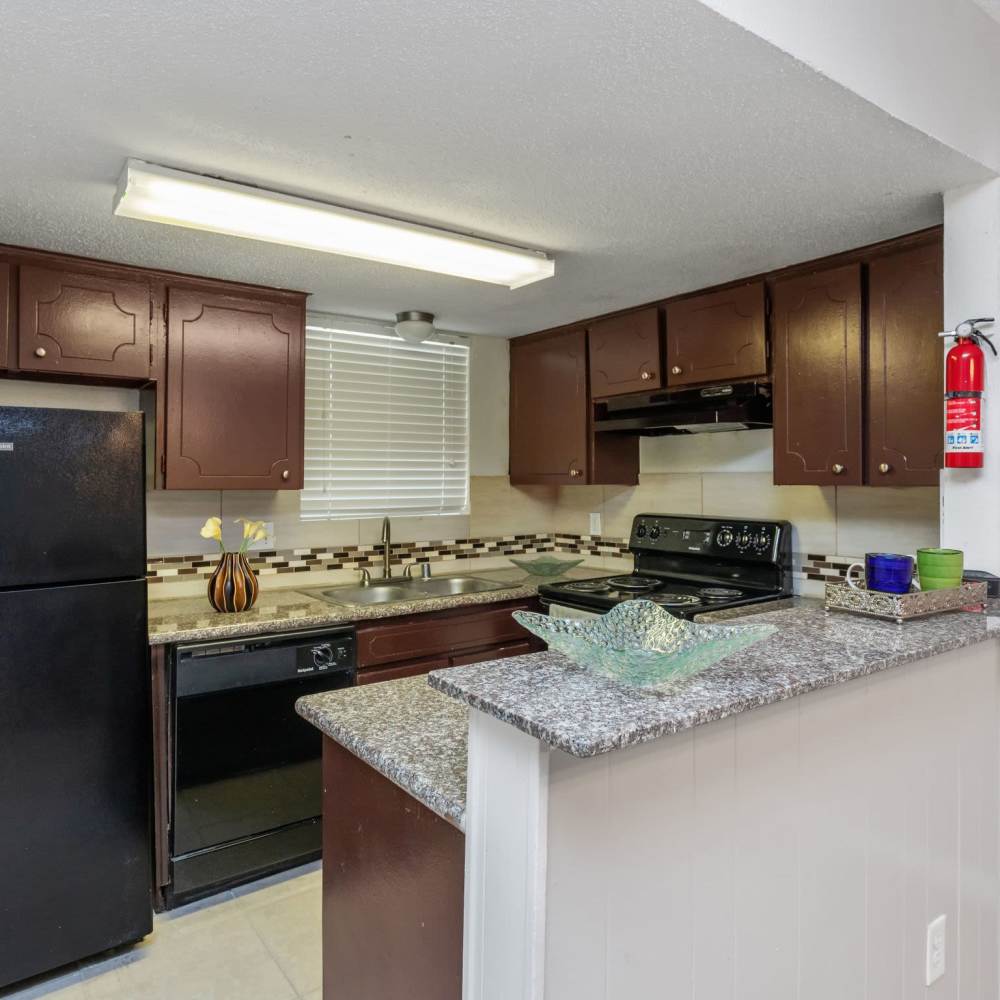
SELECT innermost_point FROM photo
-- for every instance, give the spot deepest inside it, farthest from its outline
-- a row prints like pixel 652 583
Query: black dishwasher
pixel 246 783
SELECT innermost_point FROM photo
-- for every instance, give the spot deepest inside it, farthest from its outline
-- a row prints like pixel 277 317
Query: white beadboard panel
pixel 796 852
pixel 282 508
pixel 578 873
pixel 507 810
pixel 811 509
pixel 765 882
pixel 832 845
pixel 728 451
pixel 888 519
pixel 655 494
pixel 649 931
pixel 713 857
pixel 174 519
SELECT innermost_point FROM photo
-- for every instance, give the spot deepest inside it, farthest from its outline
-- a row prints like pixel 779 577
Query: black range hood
pixel 740 406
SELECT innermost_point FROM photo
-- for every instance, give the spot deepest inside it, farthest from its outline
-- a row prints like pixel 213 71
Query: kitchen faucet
pixel 386 550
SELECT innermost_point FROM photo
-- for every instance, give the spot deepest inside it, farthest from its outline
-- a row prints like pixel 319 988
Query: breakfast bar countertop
pixel 407 731
pixel 547 696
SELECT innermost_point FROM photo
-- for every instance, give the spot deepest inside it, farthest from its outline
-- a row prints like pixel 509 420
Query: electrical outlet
pixel 595 524
pixel 936 932
pixel 267 543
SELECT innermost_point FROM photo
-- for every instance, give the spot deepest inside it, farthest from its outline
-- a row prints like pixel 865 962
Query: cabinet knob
pixel 575 473
pixel 645 376
pixel 286 474
pixel 884 468
pixel 40 352
pixel 676 370
pixel 838 469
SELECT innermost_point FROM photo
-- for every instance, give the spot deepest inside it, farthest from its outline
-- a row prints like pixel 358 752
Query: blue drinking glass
pixel 888 572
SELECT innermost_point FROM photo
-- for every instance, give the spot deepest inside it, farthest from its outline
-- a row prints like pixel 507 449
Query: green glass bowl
pixel 545 565
pixel 640 644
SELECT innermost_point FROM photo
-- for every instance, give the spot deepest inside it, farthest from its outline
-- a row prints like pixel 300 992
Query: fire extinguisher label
pixel 963 431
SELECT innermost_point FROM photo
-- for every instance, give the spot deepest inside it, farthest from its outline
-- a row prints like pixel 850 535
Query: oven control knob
pixel 724 538
pixel 744 540
pixel 654 532
pixel 322 656
pixel 640 532
pixel 762 540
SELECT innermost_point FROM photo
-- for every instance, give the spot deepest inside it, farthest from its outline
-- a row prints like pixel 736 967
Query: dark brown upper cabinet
pixel 718 337
pixel 625 354
pixel 905 367
pixel 234 405
pixel 817 330
pixel 551 420
pixel 5 323
pixel 73 322
pixel 549 408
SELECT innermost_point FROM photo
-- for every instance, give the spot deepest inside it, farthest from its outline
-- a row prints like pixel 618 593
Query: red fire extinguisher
pixel 963 397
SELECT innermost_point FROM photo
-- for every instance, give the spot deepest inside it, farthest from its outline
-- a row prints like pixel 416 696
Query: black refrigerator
pixel 75 724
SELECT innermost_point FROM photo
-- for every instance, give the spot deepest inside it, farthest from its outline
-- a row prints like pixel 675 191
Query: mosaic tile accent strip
pixel 268 563
pixel 826 569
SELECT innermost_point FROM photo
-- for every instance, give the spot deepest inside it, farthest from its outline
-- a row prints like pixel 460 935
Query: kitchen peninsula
pixel 785 824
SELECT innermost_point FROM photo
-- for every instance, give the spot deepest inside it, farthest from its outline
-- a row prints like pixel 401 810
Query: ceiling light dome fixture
pixel 414 327
pixel 159 194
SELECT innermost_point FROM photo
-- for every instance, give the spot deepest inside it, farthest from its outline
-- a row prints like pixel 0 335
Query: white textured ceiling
pixel 992 7
pixel 651 145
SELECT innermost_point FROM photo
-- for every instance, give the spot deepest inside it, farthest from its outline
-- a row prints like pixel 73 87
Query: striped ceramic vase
pixel 233 586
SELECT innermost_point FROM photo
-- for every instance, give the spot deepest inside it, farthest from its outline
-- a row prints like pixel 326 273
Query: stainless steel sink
pixel 377 593
pixel 447 586
pixel 408 590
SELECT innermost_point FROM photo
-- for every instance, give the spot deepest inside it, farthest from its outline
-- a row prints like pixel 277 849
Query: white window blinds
pixel 387 423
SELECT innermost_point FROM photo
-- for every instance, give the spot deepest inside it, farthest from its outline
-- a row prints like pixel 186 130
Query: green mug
pixel 940 568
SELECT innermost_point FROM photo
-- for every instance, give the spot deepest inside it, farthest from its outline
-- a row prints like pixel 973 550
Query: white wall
pixel 933 64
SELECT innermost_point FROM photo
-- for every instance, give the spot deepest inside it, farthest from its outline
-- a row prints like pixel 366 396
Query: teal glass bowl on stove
pixel 640 644
pixel 545 565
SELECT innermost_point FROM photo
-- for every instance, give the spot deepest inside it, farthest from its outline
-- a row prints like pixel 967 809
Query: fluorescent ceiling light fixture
pixel 159 194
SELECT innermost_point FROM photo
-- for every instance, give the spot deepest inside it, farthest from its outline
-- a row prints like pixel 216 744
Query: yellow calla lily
pixel 212 528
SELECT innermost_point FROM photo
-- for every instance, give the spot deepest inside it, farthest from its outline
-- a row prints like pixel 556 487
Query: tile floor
pixel 259 942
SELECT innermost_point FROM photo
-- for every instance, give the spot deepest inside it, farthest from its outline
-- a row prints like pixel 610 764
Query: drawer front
pixel 401 670
pixel 497 652
pixel 435 634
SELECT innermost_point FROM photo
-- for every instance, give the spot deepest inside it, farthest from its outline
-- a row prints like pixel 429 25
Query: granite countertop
pixel 192 619
pixel 407 731
pixel 548 697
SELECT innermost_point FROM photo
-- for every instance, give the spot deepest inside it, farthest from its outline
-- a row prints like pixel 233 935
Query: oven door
pixel 247 782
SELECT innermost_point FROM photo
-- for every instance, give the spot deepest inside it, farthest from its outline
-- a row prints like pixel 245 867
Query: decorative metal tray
pixel 904 607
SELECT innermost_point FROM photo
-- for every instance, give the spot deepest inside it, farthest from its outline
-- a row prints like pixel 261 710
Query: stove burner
pixel 719 593
pixel 674 600
pixel 636 583
pixel 588 586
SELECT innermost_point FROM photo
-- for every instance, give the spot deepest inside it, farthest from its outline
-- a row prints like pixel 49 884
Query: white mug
pixel 850 579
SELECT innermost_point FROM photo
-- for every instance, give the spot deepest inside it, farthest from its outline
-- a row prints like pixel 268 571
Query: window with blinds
pixel 387 423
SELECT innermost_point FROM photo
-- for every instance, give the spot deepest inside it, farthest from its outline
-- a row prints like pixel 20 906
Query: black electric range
pixel 689 565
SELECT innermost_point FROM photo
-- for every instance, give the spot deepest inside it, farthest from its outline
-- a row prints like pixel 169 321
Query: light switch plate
pixel 936 933
pixel 595 523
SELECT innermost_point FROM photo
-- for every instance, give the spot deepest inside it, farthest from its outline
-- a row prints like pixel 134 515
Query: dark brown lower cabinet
pixel 5 323
pixel 905 367
pixel 817 331
pixel 396 672
pixel 393 888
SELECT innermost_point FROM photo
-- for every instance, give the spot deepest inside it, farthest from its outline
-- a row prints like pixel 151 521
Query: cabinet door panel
pixel 624 354
pixel 4 314
pixel 83 324
pixel 905 367
pixel 235 370
pixel 549 409
pixel 817 378
pixel 719 337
